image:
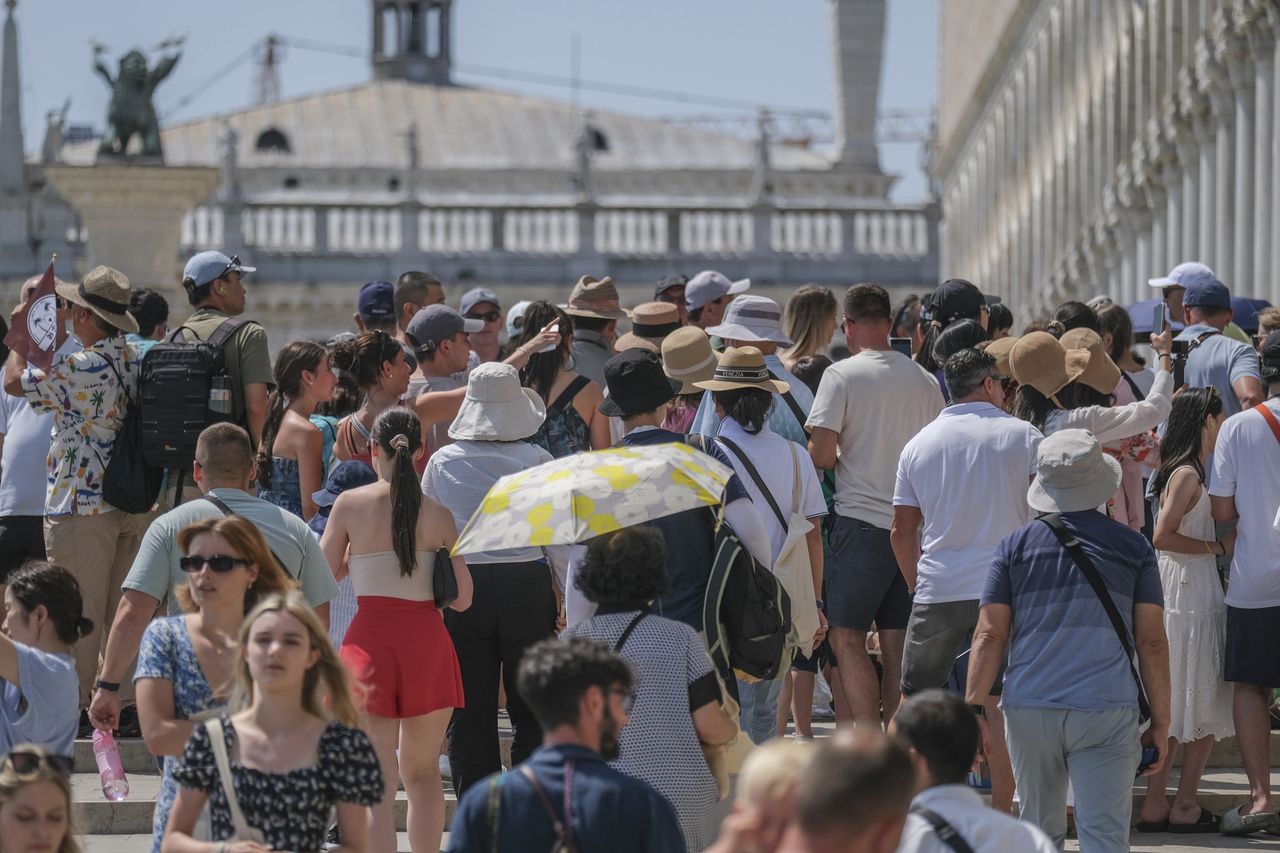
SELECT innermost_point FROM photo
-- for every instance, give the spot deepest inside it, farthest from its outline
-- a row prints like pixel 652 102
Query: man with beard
pixel 566 796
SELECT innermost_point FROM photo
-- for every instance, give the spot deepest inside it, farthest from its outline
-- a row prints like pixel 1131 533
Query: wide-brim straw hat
pixel 999 349
pixel 1073 474
pixel 105 292
pixel 1040 360
pixel 1100 372
pixel 651 322
pixel 752 318
pixel 687 356
pixel 596 299
pixel 743 367
pixel 496 407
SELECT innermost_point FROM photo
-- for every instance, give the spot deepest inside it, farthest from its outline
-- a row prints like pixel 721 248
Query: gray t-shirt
pixel 45 709
pixel 438 434
pixel 1217 362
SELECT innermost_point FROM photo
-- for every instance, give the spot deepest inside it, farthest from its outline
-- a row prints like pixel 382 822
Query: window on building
pixel 273 139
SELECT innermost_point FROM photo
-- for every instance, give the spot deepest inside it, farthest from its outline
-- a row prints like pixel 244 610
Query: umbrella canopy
pixel 1142 313
pixel 579 497
pixel 1246 312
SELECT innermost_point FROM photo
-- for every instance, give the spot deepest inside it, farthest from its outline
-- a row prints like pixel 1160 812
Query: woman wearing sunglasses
pixel 294 752
pixel 185 663
pixel 40 700
pixel 35 801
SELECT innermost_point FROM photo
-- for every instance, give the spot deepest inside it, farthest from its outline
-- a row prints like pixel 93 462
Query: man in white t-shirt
pixel 866 410
pixel 973 440
pixel 1245 486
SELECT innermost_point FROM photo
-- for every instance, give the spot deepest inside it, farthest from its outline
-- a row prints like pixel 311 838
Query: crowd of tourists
pixel 1030 566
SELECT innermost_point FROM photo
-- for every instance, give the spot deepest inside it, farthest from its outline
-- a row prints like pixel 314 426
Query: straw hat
pixel 742 367
pixel 596 299
pixel 105 292
pixel 999 349
pixel 1100 372
pixel 1040 360
pixel 687 356
pixel 1072 473
pixel 650 323
pixel 496 407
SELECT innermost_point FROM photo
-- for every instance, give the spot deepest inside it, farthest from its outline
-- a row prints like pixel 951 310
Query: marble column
pixel 1241 75
pixel 1262 45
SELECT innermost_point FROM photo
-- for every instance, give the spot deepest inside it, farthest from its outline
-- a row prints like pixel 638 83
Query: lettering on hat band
pixel 101 302
pixel 675 373
pixel 653 330
pixel 743 374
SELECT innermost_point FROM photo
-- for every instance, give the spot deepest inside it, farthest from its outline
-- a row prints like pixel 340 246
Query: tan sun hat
pixel 1040 360
pixel 105 292
pixel 687 356
pixel 1100 372
pixel 595 299
pixel 651 322
pixel 999 349
pixel 743 367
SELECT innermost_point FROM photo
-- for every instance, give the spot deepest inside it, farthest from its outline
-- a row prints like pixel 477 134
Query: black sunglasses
pixel 235 263
pixel 26 763
pixel 220 563
pixel 488 316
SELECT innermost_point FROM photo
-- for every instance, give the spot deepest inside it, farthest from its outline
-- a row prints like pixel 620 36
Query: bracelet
pixel 109 686
pixel 1209 549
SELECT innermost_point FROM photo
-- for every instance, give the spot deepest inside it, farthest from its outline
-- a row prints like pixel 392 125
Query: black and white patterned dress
pixel 673 677
pixel 292 809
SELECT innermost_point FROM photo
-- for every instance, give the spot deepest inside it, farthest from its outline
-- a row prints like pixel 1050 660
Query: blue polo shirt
pixel 612 812
pixel 1063 651
pixel 689 538
pixel 1218 361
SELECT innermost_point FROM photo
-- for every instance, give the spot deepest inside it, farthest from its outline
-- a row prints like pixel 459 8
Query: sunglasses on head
pixel 26 763
pixel 220 563
pixel 488 316
pixel 235 264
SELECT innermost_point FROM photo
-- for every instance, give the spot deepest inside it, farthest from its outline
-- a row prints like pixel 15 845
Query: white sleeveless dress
pixel 1195 620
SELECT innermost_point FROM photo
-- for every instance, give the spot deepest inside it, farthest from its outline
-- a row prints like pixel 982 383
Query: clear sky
pixel 775 52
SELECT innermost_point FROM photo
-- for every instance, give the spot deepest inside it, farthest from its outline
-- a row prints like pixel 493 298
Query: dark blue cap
pixel 347 475
pixel 377 302
pixel 1209 293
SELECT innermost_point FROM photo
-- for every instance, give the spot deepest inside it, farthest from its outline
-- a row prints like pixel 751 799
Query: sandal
pixel 1235 823
pixel 1207 822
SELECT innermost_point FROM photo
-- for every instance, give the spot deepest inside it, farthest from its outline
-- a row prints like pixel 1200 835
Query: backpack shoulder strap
pixel 1072 545
pixel 755 475
pixel 1270 418
pixel 565 400
pixel 946 833
pixel 223 333
pixel 1133 386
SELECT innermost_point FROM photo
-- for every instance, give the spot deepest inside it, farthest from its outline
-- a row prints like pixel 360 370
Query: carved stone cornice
pixel 1212 77
pixel 1231 47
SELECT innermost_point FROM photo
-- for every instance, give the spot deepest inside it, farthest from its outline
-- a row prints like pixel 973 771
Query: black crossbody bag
pixel 1072 545
pixel 946 833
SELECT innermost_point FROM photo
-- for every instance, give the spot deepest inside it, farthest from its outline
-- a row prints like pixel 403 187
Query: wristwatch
pixel 979 711
pixel 109 686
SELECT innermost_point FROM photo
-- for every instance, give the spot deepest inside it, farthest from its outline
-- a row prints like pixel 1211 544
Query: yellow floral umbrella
pixel 576 498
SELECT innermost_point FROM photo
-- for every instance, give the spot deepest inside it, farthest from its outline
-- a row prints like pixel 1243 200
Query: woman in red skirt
pixel 386 536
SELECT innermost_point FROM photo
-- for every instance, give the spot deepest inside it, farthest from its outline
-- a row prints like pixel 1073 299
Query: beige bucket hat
pixel 743 367
pixel 105 292
pixel 651 322
pixel 1100 372
pixel 688 357
pixel 1040 360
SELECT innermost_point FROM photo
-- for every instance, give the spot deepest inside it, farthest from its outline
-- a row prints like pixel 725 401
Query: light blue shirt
pixel 45 710
pixel 1218 361
pixel 781 419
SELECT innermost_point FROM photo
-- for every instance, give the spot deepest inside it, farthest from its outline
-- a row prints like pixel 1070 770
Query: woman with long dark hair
pixel 387 535
pixel 1194 611
pixel 291 455
pixel 956 299
pixel 1072 315
pixel 573 423
pixel 376 362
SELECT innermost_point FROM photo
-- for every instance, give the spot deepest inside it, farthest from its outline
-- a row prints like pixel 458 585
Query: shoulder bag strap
pixel 755 475
pixel 790 400
pixel 1270 418
pixel 493 810
pixel 219 503
pixel 566 396
pixel 1203 336
pixel 1133 386
pixel 219 744
pixel 946 833
pixel 1082 561
pixel 562 832
pixel 626 634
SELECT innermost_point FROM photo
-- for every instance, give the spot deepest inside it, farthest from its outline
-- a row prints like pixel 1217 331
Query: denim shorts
pixel 864 584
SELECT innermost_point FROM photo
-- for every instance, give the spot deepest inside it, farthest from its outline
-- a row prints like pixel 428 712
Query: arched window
pixel 273 139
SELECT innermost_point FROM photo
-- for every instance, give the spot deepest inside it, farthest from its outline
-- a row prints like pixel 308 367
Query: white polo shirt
pixel 1246 466
pixel 982 827
pixel 968 473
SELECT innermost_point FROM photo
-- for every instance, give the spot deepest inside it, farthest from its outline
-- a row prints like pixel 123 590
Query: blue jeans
pixel 759 703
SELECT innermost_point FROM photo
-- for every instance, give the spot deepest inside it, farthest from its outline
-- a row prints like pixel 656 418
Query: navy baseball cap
pixel 347 475
pixel 207 267
pixel 377 302
pixel 1206 294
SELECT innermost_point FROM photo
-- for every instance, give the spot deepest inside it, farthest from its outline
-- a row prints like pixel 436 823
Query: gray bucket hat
pixel 1072 473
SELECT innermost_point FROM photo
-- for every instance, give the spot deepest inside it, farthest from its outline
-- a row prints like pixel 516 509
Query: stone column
pixel 1241 75
pixel 1273 217
pixel 1262 45
pixel 1206 235
pixel 1191 107
pixel 1214 77
pixel 857 27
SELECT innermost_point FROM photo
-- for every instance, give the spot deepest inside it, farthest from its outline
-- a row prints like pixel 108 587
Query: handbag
pixel 244 832
pixel 444 582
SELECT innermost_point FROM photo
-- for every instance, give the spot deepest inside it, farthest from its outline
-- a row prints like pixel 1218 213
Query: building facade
pixel 1085 146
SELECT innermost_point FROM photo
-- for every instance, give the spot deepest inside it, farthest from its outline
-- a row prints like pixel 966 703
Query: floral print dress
pixel 167 653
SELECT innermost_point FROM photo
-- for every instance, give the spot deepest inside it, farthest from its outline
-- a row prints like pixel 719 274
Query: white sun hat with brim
pixel 1072 473
pixel 496 407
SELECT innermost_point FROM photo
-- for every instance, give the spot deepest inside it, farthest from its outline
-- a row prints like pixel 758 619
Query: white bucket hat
pixel 754 319
pixel 1072 473
pixel 497 408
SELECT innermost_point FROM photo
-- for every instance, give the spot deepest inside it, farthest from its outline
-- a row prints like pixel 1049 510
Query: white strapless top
pixel 378 573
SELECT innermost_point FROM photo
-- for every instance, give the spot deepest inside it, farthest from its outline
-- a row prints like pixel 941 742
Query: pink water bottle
pixel 115 786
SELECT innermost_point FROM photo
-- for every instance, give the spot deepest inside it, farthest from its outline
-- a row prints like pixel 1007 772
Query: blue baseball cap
pixel 347 475
pixel 207 267
pixel 1206 294
pixel 377 302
